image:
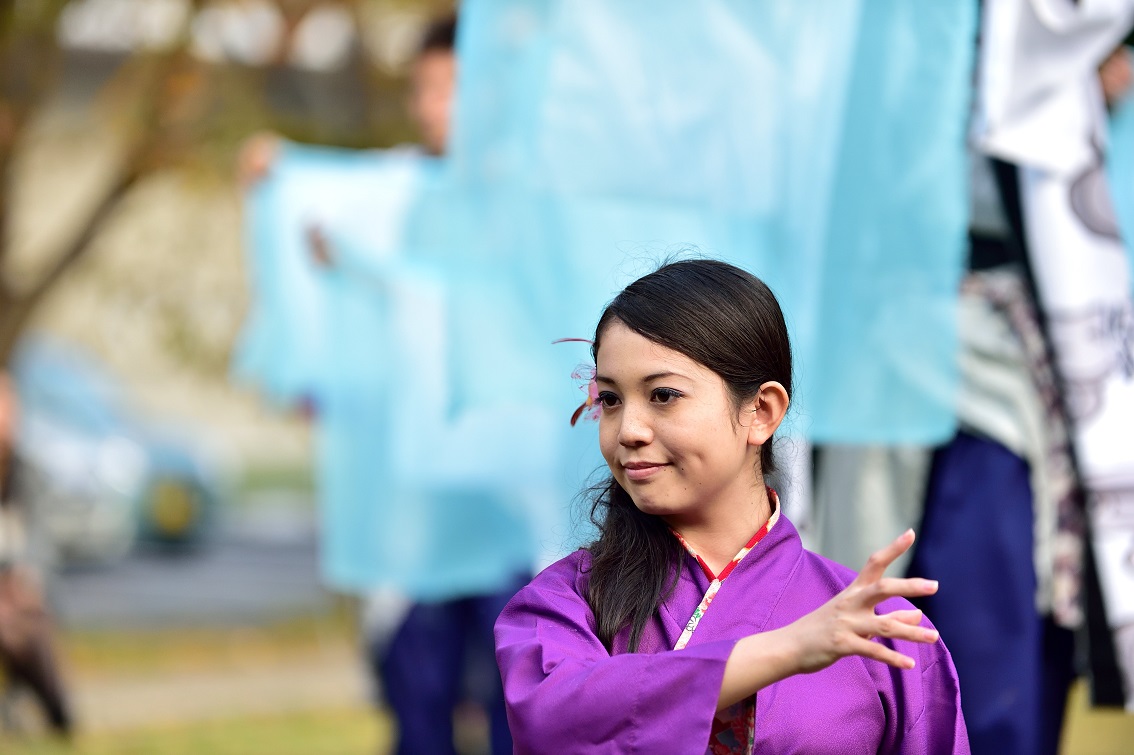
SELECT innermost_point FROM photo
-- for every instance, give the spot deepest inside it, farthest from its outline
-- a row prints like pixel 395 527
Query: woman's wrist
pixel 757 661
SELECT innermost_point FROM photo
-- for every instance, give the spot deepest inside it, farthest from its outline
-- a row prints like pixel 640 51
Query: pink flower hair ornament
pixel 585 374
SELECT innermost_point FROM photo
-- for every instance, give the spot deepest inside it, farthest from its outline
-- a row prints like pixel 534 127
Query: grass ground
pixel 334 731
pixel 293 688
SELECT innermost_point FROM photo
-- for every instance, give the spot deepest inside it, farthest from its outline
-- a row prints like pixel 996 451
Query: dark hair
pixel 728 320
pixel 440 36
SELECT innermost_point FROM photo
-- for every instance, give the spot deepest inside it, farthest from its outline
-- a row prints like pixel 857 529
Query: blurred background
pixel 174 517
pixel 172 536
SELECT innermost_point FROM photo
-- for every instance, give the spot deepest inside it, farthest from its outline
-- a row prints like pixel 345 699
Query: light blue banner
pixel 818 144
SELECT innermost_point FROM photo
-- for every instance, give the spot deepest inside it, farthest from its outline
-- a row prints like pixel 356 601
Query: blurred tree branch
pixel 30 58
pixel 169 108
pixel 28 63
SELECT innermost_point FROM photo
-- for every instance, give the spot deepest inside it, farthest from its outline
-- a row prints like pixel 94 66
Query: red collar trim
pixel 773 499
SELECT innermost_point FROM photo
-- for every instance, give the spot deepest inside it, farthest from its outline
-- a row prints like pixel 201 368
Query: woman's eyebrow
pixel 660 375
pixel 647 379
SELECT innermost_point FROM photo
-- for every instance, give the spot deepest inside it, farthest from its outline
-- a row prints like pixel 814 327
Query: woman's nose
pixel 634 430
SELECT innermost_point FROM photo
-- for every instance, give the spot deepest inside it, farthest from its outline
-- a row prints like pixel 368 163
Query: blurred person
pixel 433 78
pixel 1047 392
pixel 1033 486
pixel 1022 520
pixel 426 655
pixel 999 498
pixel 434 81
pixel 27 653
pixel 1041 109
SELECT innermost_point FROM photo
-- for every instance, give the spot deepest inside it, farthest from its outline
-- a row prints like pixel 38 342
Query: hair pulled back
pixel 728 320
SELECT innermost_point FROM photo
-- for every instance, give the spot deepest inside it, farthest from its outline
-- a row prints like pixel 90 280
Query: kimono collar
pixel 774 500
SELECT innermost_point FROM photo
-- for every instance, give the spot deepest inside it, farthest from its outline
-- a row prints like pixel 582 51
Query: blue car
pixel 105 477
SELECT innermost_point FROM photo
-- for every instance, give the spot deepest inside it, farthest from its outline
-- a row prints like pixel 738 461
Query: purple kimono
pixel 567 694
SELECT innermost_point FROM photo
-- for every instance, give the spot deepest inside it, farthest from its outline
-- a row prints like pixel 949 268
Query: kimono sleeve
pixel 931 694
pixel 565 693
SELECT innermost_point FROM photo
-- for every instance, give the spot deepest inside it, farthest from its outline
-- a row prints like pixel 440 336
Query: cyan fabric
pixel 435 501
pixel 818 144
pixel 1120 169
pixel 282 350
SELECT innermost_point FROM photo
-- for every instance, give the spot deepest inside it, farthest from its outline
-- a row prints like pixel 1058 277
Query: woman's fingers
pixel 879 652
pixel 911 616
pixel 890 587
pixel 893 628
pixel 878 563
pixel 852 616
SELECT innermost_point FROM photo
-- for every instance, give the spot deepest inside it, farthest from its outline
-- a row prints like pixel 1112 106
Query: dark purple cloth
pixel 1017 666
pixel 566 694
pixel 442 651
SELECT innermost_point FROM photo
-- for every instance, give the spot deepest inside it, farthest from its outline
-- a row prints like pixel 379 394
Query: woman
pixel 679 630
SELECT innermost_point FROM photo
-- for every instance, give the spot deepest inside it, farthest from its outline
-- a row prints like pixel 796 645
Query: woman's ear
pixel 765 412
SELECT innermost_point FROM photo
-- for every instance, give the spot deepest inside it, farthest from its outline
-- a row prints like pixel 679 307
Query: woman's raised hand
pixel 846 624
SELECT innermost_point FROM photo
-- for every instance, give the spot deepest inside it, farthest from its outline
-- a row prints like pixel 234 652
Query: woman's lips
pixel 642 470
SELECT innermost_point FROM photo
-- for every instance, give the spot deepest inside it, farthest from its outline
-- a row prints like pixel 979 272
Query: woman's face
pixel 669 430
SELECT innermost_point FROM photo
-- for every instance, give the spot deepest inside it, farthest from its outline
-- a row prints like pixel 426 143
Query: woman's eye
pixel 607 400
pixel 665 395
